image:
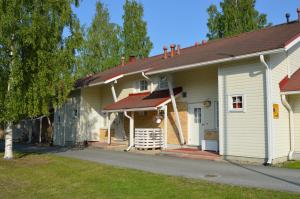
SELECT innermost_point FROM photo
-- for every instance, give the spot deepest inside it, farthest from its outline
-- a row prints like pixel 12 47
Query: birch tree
pixel 38 41
pixel 135 38
pixel 102 45
pixel 235 17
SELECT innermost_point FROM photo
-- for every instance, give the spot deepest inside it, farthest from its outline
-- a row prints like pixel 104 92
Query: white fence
pixel 148 138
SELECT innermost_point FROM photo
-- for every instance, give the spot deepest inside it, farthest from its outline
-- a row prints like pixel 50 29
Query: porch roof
pixel 142 101
pixel 291 84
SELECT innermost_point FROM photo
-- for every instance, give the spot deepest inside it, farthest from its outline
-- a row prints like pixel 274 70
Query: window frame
pixel 159 87
pixel 230 103
pixel 146 85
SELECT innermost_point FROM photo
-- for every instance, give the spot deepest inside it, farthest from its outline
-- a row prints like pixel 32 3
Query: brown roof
pixel 271 38
pixel 291 84
pixel 143 100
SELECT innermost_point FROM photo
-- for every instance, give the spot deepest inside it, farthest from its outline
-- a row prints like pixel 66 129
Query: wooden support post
pixel 108 133
pixel 165 127
pixel 177 121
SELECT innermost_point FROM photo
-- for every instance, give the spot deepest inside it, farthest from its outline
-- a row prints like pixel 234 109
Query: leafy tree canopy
pixel 235 17
pixel 36 60
pixel 136 41
pixel 102 44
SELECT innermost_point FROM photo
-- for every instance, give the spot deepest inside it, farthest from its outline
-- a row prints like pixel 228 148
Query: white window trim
pixel 138 86
pixel 230 104
pixel 158 84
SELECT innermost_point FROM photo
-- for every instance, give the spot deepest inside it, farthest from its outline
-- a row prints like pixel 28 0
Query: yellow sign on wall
pixel 275 111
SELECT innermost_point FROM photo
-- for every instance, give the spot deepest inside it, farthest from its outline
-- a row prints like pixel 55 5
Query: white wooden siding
pixel 200 84
pixel 90 120
pixel 281 136
pixel 294 58
pixel 295 102
pixel 243 133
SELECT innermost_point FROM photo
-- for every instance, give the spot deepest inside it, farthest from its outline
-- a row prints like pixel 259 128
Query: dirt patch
pixel 27 160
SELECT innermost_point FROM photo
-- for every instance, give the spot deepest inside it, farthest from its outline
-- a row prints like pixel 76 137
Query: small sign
pixel 276 111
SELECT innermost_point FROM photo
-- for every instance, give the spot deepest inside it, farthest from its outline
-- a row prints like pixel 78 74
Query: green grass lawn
pixel 49 176
pixel 290 165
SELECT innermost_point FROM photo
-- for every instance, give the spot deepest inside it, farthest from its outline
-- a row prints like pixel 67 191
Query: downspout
pixel 178 124
pixel 131 131
pixel 149 79
pixel 292 125
pixel 269 109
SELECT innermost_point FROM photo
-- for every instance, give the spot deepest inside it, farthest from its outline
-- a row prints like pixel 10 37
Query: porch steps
pixel 192 154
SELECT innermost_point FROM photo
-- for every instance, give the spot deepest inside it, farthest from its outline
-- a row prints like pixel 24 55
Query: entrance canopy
pixel 291 84
pixel 142 101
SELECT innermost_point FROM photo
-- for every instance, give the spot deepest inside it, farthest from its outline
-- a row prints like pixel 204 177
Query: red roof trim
pixel 142 100
pixel 291 84
pixel 283 82
pixel 291 40
pixel 137 94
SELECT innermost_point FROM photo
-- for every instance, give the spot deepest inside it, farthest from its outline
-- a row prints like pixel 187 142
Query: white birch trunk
pixel 8 154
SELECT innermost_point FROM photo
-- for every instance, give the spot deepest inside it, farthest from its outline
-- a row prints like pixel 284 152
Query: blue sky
pixel 180 21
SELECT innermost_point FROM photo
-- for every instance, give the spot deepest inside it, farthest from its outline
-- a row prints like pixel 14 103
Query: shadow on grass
pixel 24 150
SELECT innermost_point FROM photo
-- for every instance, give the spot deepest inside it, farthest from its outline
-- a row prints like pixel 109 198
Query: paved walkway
pixel 222 172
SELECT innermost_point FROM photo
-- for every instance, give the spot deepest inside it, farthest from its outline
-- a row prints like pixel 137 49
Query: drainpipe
pixel 292 125
pixel 131 131
pixel 149 79
pixel 178 124
pixel 269 109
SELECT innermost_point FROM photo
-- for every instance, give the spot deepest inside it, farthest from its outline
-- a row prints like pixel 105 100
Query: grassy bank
pixel 49 176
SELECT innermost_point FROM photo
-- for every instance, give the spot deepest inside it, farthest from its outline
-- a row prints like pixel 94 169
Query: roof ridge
pixel 252 31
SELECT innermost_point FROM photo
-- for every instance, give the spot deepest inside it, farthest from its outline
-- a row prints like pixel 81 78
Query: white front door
pixel 196 127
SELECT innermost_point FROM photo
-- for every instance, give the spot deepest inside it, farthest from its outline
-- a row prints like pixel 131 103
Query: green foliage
pixel 102 45
pixel 40 71
pixel 136 41
pixel 236 16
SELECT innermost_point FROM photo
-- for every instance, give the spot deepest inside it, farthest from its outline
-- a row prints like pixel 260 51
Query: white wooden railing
pixel 148 138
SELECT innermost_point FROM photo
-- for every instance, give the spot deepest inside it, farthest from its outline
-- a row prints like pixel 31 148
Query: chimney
pixel 298 11
pixel 123 61
pixel 132 59
pixel 165 52
pixel 178 49
pixel 172 50
pixel 287 16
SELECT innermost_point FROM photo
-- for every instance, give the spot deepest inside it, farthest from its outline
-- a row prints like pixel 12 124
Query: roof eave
pixel 200 64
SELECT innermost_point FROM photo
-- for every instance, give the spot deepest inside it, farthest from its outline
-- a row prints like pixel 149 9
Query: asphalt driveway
pixel 222 172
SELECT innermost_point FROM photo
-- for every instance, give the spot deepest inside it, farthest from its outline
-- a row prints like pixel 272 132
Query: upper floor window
pixel 237 103
pixel 162 83
pixel 143 85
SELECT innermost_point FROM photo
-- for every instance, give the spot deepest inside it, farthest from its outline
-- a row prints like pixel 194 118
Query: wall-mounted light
pixel 207 103
pixel 158 117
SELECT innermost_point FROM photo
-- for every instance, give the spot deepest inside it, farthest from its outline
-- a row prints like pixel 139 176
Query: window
pixel 143 85
pixel 163 83
pixel 197 115
pixel 237 103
